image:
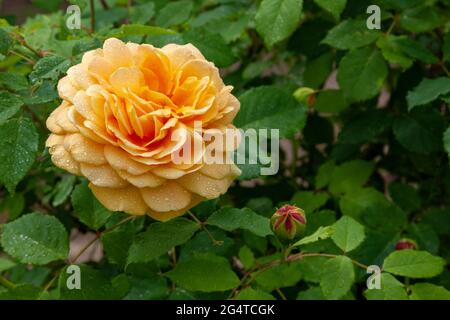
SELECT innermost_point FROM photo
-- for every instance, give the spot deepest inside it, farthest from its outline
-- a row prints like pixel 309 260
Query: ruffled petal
pixel 126 199
pixel 102 176
pixel 168 197
pixel 84 150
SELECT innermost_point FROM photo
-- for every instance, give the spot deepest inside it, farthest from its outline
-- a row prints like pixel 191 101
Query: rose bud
pixel 403 244
pixel 288 223
pixel 305 95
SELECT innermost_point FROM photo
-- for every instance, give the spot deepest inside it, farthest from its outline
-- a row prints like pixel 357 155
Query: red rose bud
pixel 406 244
pixel 288 223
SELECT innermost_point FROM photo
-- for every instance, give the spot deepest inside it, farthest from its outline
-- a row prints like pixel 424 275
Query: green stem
pixel 202 225
pixel 6 283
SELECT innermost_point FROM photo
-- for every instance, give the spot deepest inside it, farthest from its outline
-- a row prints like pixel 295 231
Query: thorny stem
pixel 445 69
pixel 278 290
pixel 252 274
pixel 391 27
pixel 26 45
pixel 84 249
pixel 29 60
pixel 52 280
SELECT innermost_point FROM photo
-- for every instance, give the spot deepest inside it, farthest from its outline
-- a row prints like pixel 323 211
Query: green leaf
pixel 212 46
pixel 230 219
pixel 6 264
pixel 446 48
pixel 429 291
pixel 13 205
pixel 391 289
pixel 148 286
pixel 49 68
pixel 351 34
pixel 13 81
pixel 348 234
pixel 320 218
pixel 277 19
pixel 254 294
pixel 35 238
pixel 331 101
pixel 405 196
pixel 213 17
pixel 63 190
pixel 204 272
pixel 309 201
pixel 24 292
pixel 311 268
pixel 254 69
pixel 142 13
pixel 350 176
pixel 312 293
pixel 280 276
pixel 18 147
pixel 402 50
pixel 335 7
pixel 201 242
pixel 427 91
pixel 365 127
pixel 337 277
pixel 87 208
pixel 116 245
pixel 361 73
pixel 321 234
pixel 95 285
pixel 269 107
pixel 421 18
pixel 159 238
pixel 324 173
pixel 392 53
pixel 174 13
pixel 6 42
pixel 413 264
pixel 246 257
pixel 9 105
pixel 420 131
pixel 354 204
pixel 318 70
pixel 425 236
pixel 437 218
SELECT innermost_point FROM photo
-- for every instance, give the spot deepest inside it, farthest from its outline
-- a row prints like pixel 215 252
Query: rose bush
pixel 100 101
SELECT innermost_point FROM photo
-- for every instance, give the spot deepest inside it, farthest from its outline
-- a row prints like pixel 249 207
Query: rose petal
pixel 168 197
pixel 205 186
pixel 121 160
pixel 143 180
pixel 84 150
pixel 62 159
pixel 102 176
pixel 164 216
pixel 126 199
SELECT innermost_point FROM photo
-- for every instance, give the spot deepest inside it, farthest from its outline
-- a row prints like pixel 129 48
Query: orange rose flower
pixel 122 107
